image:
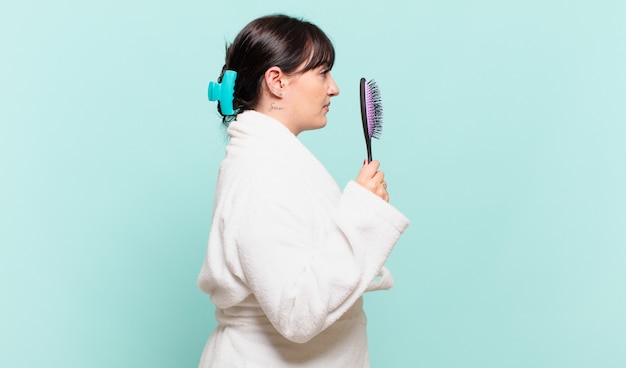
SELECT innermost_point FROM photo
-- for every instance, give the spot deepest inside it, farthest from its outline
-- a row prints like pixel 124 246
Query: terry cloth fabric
pixel 290 255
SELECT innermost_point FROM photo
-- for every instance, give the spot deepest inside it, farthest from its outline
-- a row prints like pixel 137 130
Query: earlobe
pixel 273 81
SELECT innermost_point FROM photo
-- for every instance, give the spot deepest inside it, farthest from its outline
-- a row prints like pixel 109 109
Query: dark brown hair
pixel 275 40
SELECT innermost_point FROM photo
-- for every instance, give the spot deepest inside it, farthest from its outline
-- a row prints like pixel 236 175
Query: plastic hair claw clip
pixel 223 92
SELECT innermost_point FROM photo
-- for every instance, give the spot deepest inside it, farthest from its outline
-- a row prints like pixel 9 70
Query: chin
pixel 316 126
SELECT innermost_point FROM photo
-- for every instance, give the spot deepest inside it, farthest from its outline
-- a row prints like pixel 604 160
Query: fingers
pixel 368 170
pixel 373 180
pixel 380 186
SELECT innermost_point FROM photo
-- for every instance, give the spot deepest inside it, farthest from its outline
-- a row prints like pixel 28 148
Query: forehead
pixel 321 53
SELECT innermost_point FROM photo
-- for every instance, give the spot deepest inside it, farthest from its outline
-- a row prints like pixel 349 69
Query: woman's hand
pixel 373 180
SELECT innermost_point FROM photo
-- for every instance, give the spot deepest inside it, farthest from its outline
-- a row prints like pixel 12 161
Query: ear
pixel 274 81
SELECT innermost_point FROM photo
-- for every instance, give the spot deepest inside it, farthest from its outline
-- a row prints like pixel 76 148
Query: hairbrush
pixel 371 113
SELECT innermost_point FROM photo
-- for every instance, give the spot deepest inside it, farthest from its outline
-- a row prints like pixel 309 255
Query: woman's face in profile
pixel 308 98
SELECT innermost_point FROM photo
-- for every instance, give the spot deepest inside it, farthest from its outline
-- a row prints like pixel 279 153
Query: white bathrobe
pixel 290 255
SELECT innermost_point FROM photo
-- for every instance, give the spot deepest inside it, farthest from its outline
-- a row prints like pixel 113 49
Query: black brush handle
pixel 368 139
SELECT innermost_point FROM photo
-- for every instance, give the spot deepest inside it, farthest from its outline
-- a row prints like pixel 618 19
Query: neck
pixel 275 108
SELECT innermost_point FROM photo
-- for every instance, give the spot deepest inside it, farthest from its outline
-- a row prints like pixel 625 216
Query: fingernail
pixel 364 162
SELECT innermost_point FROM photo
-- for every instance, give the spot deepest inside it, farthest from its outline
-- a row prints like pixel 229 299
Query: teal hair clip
pixel 223 92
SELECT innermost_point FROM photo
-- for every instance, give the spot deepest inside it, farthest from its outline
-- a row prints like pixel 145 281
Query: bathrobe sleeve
pixel 307 263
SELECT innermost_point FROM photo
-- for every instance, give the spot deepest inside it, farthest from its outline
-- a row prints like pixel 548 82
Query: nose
pixel 333 89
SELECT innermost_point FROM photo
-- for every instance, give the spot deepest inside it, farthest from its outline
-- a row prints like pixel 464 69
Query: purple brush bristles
pixel 374 109
pixel 371 113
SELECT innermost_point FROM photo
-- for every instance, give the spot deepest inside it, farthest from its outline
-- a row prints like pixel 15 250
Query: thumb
pixel 368 170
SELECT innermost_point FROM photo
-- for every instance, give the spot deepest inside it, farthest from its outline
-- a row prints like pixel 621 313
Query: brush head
pixel 371 108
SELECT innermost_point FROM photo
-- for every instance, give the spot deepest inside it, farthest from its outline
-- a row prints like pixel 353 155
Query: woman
pixel 290 255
